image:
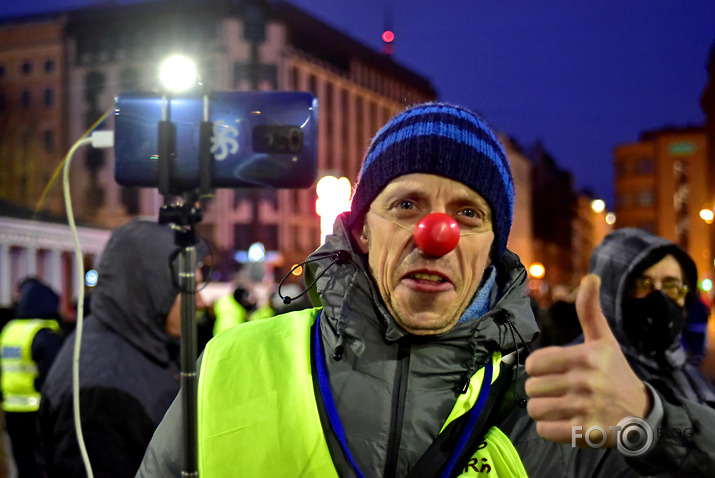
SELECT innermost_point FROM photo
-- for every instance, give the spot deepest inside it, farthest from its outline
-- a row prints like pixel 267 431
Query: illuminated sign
pixel 681 148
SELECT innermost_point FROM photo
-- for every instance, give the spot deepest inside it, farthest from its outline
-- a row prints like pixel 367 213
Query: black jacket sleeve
pixel 684 440
pixel 116 432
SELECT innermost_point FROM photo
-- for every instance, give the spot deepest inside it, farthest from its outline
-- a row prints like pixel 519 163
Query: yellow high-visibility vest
pixel 257 411
pixel 19 371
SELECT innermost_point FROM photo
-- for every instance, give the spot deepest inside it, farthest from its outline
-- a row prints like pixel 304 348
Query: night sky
pixel 581 77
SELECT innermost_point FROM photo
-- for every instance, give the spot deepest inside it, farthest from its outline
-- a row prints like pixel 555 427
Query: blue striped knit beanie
pixel 446 140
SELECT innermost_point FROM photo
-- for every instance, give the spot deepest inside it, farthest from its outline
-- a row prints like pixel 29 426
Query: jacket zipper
pixel 398 408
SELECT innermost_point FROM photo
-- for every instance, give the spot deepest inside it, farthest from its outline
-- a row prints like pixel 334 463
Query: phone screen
pixel 258 139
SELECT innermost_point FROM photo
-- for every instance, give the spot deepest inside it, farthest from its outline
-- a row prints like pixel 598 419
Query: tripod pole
pixel 187 281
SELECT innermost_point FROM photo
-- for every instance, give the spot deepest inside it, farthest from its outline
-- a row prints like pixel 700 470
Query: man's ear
pixel 361 235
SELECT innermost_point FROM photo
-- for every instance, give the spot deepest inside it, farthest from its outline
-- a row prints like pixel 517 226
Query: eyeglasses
pixel 673 288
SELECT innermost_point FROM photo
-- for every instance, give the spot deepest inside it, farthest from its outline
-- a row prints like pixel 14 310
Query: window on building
pixel 48 97
pixel 313 85
pixel 26 67
pixel 239 195
pixel 295 78
pixel 270 238
pixel 295 200
pixel 270 196
pixel 26 99
pixel 372 116
pixel 242 234
pixel 623 199
pixel 361 133
pixel 645 166
pixel 49 66
pixel 645 198
pixel 327 110
pixel 48 138
pixel 130 200
pixel 345 134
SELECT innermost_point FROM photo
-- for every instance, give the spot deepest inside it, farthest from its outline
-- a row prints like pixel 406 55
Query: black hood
pixel 135 291
pixel 37 301
pixel 622 256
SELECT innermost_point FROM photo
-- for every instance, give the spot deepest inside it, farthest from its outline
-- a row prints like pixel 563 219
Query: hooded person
pixel 647 286
pixel 410 361
pixel 30 342
pixel 129 358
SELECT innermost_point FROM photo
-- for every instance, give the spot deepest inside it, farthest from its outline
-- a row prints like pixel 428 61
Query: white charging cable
pixel 98 139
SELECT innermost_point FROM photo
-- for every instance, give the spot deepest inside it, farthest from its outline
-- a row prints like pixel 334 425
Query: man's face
pixel 665 275
pixel 426 294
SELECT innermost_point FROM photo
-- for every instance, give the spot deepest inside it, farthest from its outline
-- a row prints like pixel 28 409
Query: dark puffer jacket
pixel 129 365
pixel 687 396
pixel 395 390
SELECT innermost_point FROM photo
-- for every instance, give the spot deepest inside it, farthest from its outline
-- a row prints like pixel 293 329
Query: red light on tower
pixel 388 36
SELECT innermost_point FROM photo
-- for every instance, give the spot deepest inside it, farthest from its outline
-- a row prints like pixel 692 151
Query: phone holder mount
pixel 183 217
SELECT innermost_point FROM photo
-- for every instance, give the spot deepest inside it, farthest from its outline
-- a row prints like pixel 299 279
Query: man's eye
pixel 468 212
pixel 672 284
pixel 406 205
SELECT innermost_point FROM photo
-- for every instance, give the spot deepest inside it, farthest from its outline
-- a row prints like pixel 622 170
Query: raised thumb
pixel 593 322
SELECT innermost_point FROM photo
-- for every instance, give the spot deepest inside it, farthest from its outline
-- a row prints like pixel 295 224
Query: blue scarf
pixel 481 303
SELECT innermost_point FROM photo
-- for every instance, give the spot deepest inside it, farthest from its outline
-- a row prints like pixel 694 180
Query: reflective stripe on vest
pixel 19 371
pixel 257 411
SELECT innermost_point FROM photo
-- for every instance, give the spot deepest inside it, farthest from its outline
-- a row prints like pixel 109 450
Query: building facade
pixel 661 184
pixel 33 111
pixel 63 72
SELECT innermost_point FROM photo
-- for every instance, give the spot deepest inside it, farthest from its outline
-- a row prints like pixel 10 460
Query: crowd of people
pixel 419 353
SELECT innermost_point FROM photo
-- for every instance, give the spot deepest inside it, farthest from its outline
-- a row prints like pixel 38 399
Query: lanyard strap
pixel 332 411
pixel 327 395
pixel 472 421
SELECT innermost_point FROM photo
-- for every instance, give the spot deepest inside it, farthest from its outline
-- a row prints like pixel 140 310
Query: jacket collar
pixel 348 294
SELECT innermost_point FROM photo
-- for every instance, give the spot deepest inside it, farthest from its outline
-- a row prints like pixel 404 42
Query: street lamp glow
pixel 256 252
pixel 707 215
pixel 90 278
pixel 178 73
pixel 706 285
pixel 333 199
pixel 610 218
pixel 537 270
pixel 598 205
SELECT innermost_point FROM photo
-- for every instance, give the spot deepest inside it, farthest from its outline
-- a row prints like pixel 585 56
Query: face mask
pixel 653 322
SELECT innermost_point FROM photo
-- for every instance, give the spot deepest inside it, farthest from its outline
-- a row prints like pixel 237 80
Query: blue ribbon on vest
pixel 332 411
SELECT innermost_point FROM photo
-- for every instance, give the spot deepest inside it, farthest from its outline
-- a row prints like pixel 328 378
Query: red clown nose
pixel 437 234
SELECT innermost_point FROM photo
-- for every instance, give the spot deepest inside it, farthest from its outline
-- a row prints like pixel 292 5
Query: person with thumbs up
pixel 631 364
pixel 411 362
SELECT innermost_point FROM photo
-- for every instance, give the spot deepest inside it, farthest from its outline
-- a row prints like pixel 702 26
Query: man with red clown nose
pixel 412 362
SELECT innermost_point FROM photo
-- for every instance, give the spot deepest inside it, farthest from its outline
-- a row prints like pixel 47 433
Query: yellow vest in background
pixel 19 371
pixel 228 313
